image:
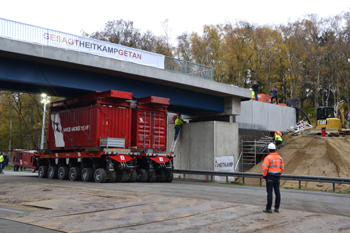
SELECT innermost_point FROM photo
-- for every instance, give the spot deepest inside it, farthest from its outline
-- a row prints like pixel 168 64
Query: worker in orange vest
pixel 272 171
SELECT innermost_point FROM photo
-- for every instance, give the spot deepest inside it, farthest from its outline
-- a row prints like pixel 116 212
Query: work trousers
pixel 256 96
pixel 177 130
pixel 274 97
pixel 278 142
pixel 273 184
pixel 0 167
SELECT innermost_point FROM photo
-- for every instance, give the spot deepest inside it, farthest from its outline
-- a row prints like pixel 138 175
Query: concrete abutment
pixel 200 142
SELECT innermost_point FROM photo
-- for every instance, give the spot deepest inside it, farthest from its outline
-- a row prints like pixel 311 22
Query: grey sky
pixel 191 15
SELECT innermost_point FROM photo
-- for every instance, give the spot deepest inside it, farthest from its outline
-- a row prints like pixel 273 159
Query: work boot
pixel 277 210
pixel 2 173
pixel 267 211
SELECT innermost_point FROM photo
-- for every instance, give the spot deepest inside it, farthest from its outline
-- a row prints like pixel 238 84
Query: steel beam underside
pixel 28 76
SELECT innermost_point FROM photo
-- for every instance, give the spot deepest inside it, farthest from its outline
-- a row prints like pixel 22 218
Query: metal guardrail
pixel 323 179
pixel 188 68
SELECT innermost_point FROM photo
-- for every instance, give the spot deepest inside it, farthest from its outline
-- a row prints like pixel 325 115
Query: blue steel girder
pixel 33 75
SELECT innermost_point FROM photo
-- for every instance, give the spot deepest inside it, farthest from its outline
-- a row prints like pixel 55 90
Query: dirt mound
pixel 313 156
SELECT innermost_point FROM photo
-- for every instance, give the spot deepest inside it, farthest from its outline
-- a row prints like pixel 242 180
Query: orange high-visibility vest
pixel 273 164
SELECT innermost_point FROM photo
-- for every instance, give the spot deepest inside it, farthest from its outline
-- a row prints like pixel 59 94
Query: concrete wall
pixel 264 116
pixel 200 142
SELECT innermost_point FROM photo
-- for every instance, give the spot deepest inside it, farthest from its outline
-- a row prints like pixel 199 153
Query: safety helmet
pixel 271 146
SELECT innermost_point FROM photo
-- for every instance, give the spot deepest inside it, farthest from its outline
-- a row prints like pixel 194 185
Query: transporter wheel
pixel 112 177
pixel 63 173
pixel 74 174
pixel 42 172
pixel 161 176
pixel 87 174
pixel 152 176
pixel 122 176
pixel 132 176
pixel 52 173
pixel 142 175
pixel 170 176
pixel 100 175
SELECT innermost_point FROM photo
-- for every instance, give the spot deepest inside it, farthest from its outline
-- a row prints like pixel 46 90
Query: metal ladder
pixel 173 144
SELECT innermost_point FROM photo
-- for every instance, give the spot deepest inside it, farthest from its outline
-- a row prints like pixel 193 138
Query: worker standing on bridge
pixel 1 162
pixel 274 92
pixel 272 171
pixel 178 123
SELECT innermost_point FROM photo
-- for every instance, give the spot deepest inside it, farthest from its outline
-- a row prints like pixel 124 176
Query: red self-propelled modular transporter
pixel 149 130
pixel 92 138
pixel 89 138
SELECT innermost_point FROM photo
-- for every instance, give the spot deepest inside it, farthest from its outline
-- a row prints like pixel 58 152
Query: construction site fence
pixel 333 180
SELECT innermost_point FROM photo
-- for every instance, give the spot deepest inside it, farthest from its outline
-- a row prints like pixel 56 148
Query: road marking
pixel 20 212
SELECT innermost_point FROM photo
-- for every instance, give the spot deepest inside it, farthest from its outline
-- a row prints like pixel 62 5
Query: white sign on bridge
pixel 43 36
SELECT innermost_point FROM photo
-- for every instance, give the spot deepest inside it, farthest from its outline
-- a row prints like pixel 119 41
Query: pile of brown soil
pixel 313 156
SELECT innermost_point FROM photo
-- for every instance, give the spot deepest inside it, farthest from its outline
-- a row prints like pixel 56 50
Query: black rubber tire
pixel 74 174
pixel 169 176
pixel 87 175
pixel 112 177
pixel 63 173
pixel 122 176
pixel 142 175
pixel 132 176
pixel 161 176
pixel 42 172
pixel 152 176
pixel 100 175
pixel 52 172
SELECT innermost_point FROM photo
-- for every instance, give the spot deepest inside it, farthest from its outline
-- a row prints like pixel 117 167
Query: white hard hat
pixel 271 146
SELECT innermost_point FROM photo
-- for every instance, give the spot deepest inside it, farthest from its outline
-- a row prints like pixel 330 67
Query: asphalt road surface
pixel 32 204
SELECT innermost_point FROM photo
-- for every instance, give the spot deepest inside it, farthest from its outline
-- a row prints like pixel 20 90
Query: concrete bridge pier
pixel 201 142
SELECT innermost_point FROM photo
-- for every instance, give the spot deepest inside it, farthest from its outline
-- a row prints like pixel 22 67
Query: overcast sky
pixel 72 16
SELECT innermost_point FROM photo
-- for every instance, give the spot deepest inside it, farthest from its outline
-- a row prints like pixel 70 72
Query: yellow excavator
pixel 333 119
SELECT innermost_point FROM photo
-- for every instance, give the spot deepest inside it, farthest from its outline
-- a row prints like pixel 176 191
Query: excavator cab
pixel 325 118
pixel 323 113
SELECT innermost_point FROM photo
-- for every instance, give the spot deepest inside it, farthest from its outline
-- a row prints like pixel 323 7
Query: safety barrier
pixel 333 180
pixel 188 68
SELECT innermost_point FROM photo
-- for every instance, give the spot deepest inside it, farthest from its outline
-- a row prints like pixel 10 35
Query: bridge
pixel 37 68
pixel 40 60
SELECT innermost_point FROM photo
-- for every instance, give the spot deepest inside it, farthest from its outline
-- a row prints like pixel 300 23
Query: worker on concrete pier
pixel 272 170
pixel 1 162
pixel 178 123
pixel 253 94
pixel 274 92
pixel 255 89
